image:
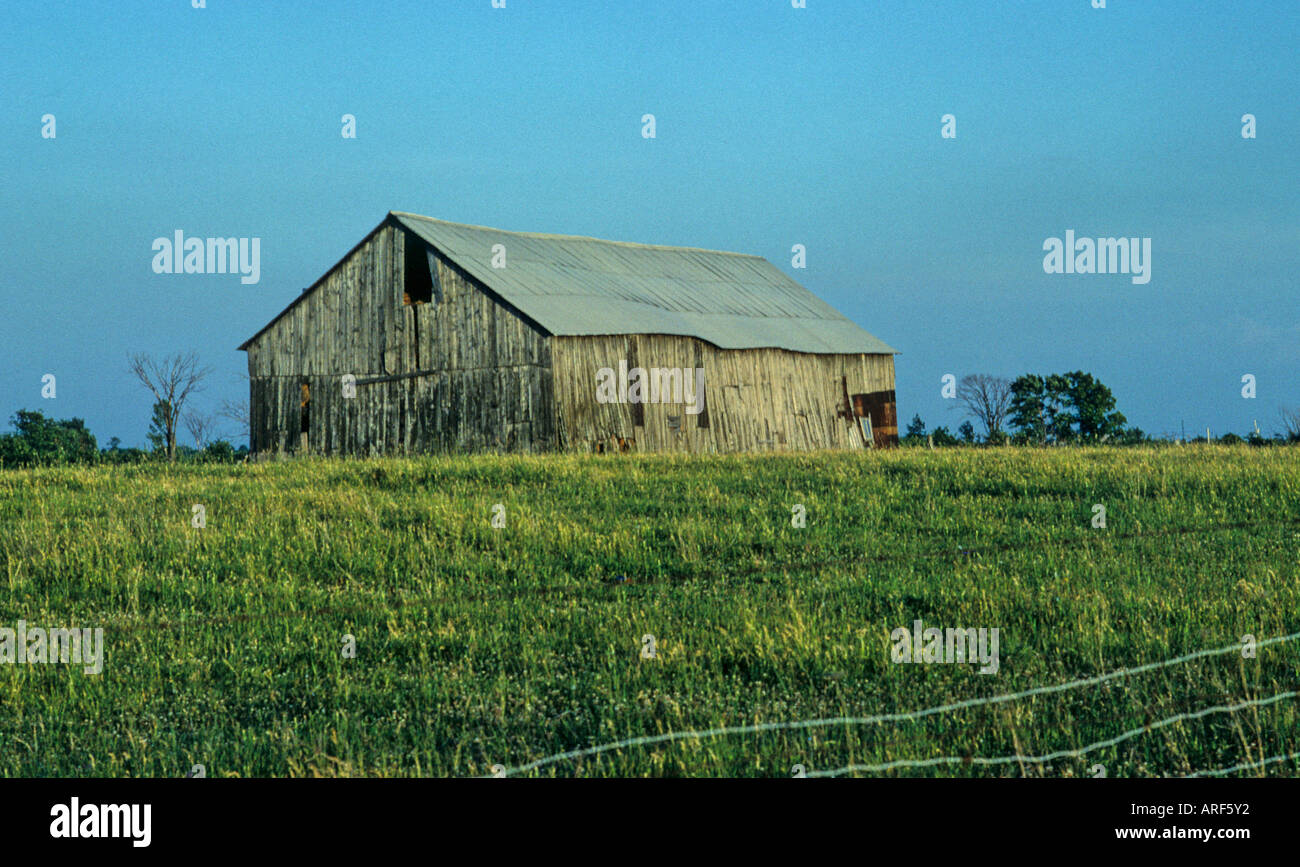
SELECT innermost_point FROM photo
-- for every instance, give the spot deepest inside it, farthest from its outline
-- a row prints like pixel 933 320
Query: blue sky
pixel 775 126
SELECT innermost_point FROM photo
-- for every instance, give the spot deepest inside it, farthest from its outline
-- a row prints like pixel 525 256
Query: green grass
pixel 479 646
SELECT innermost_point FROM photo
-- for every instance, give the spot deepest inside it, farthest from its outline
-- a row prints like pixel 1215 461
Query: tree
pixel 1028 410
pixel 1092 414
pixel 171 381
pixel 220 452
pixel 987 398
pixel 236 411
pixel 1290 424
pixel 967 432
pixel 39 440
pixel 942 437
pixel 1133 436
pixel 1056 402
pixel 915 431
pixel 1062 408
pixel 157 434
pixel 200 427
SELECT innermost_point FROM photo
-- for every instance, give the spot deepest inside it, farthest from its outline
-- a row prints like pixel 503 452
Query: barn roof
pixel 573 285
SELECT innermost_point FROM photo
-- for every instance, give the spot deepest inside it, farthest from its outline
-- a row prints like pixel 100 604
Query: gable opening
pixel 417 272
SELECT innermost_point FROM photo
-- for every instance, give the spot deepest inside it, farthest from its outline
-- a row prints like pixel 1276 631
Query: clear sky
pixel 776 126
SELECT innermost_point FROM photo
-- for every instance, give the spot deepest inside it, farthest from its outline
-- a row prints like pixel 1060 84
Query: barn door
pixel 879 408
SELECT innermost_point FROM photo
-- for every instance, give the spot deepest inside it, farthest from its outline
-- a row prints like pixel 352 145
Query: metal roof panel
pixel 573 285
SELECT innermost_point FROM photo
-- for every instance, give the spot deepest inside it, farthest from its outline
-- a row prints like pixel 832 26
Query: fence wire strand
pixel 1059 754
pixel 1245 766
pixel 722 731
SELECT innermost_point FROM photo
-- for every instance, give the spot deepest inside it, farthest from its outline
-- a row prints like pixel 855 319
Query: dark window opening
pixel 305 423
pixel 845 409
pixel 415 335
pixel 638 406
pixel 702 419
pixel 417 274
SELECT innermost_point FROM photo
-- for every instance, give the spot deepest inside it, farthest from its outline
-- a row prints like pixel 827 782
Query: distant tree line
pixel 41 441
pixel 1056 409
pixel 38 441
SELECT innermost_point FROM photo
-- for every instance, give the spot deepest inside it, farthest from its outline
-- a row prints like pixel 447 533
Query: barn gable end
pixel 454 369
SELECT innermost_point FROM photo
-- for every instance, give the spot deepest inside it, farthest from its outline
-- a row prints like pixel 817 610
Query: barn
pixel 430 336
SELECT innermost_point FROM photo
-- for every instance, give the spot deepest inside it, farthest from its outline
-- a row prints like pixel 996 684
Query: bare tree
pixel 987 398
pixel 236 411
pixel 1290 423
pixel 200 426
pixel 171 381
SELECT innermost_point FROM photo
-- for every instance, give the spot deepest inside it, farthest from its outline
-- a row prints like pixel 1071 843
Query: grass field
pixel 478 646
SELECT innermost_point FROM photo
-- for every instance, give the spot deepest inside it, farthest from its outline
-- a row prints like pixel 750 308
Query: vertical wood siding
pixel 756 399
pixel 483 381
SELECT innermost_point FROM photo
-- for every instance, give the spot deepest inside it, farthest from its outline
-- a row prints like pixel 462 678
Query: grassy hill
pixel 479 646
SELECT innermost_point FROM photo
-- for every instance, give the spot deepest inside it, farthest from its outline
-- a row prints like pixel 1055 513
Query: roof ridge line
pixel 554 236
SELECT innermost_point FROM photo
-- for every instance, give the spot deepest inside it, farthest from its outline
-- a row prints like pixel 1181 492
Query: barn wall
pixel 756 399
pixel 481 381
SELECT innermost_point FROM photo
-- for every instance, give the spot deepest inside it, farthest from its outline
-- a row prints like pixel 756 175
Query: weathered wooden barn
pixel 436 336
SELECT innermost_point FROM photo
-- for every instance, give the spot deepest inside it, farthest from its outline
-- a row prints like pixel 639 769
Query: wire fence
pixel 1059 754
pixel 1246 766
pixel 876 719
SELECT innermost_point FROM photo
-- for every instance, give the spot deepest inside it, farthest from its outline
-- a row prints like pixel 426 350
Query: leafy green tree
pixel 943 437
pixel 1133 436
pixel 915 434
pixel 1064 408
pixel 1060 419
pixel 43 441
pixel 161 428
pixel 218 452
pixel 967 432
pixel 1029 408
pixel 1092 415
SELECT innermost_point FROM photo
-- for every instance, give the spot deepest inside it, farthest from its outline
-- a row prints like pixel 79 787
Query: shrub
pixel 40 441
